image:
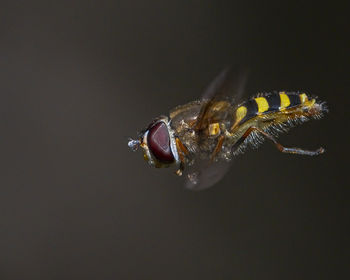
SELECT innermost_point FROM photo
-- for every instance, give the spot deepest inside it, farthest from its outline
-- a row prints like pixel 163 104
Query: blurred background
pixel 77 78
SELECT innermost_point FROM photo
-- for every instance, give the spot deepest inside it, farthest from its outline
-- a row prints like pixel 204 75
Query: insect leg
pixel 181 146
pixel 218 147
pixel 182 151
pixel 281 148
pixel 180 170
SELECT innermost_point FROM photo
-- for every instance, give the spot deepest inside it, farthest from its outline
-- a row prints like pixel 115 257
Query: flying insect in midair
pixel 201 137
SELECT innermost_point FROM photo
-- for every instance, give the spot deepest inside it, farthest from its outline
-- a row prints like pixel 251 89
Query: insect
pixel 200 138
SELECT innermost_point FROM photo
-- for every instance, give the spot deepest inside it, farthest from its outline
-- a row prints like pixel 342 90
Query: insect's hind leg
pixel 281 148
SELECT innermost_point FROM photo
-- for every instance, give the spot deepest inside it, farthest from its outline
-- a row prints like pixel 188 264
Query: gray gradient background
pixel 79 77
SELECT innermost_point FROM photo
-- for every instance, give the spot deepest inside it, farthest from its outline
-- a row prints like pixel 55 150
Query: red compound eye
pixel 158 140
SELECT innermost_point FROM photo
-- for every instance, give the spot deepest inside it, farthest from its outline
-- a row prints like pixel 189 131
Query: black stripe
pixel 252 110
pixel 274 101
pixel 294 99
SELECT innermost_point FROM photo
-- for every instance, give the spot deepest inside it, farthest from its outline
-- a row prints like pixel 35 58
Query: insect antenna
pixel 134 144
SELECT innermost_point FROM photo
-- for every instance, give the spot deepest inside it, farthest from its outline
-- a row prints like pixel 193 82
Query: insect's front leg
pixel 182 152
pixel 180 170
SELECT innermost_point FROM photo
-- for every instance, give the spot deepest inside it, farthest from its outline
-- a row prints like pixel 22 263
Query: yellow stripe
pixel 285 102
pixel 240 113
pixel 263 105
pixel 303 98
pixel 305 101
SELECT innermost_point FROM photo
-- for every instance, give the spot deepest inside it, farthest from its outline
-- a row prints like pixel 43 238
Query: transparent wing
pixel 205 174
pixel 229 86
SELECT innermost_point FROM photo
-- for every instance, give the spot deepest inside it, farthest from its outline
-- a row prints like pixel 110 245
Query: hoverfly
pixel 201 137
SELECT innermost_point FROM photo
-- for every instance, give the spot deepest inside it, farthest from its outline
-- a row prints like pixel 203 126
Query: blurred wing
pixel 227 86
pixel 205 174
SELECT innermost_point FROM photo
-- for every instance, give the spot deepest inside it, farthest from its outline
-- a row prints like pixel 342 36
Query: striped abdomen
pixel 271 103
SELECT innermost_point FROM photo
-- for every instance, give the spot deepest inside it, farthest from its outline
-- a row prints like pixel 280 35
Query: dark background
pixel 77 78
